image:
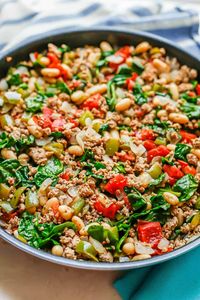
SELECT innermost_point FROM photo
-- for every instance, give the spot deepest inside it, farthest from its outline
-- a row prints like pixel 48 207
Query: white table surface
pixel 23 277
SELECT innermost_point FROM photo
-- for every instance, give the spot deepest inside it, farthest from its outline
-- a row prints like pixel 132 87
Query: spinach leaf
pixel 191 110
pixel 8 169
pixel 40 235
pixel 124 127
pixel 136 199
pixel 189 98
pixel 14 79
pixel 187 186
pixel 103 128
pixel 23 143
pixel 6 141
pixel 51 170
pixel 140 96
pixel 88 154
pixel 97 232
pixel 166 161
pixel 34 104
pixel 119 168
pixel 157 181
pixel 137 67
pixel 63 87
pixel 181 151
pixel 125 71
pixel 121 241
pixel 57 135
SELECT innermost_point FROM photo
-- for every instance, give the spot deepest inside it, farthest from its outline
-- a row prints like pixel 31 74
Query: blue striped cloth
pixel 20 19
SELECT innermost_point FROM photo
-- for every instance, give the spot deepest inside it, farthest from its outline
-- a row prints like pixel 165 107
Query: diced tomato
pixel 116 183
pixel 146 134
pixel 139 113
pixel 198 89
pixel 65 176
pixel 173 171
pixel 148 144
pixel 126 201
pixel 6 217
pixel 92 102
pixel 57 125
pixel 190 170
pixel 47 111
pixel 130 82
pixel 158 151
pixel 125 156
pixel 182 163
pixel 108 212
pixel 124 51
pixel 149 232
pixel 186 136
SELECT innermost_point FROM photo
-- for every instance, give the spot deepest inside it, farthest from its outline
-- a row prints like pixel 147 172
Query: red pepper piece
pixel 149 145
pixel 198 89
pixel 108 212
pixel 149 232
pixel 173 171
pixel 116 183
pixel 158 151
pixel 92 102
pixel 187 137
pixel 147 134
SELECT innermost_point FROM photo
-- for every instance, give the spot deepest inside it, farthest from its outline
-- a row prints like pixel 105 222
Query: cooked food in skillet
pixel 100 152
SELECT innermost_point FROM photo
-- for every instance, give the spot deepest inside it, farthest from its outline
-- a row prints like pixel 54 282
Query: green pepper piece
pixel 112 146
pixel 160 141
pixel 113 234
pixel 6 120
pixel 15 199
pixel 197 204
pixel 155 170
pixel 31 200
pixel 4 191
pixel 96 231
pixel 5 205
pixel 86 249
pixel 85 115
pixel 78 205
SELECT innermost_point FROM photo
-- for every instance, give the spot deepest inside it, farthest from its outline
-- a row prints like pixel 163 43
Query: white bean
pixel 50 72
pixel 174 91
pixel 66 212
pixel 160 65
pixel 23 159
pixel 78 97
pixel 78 222
pixel 178 118
pixel 196 152
pixel 142 47
pixel 105 46
pixel 75 150
pixel 44 60
pixel 98 88
pixel 170 198
pixel 68 70
pixel 8 154
pixel 123 104
pixel 128 248
pixel 141 256
pixel 57 250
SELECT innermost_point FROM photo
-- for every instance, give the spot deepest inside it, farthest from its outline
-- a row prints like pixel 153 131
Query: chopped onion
pixel 47 182
pixel 107 159
pixel 79 138
pixel 21 70
pixel 97 246
pixel 88 122
pixel 73 191
pixel 92 133
pixel 137 150
pixel 163 244
pixel 116 59
pixel 3 85
pixel 120 93
pixel 66 107
pixel 144 179
pixel 1 101
pixel 124 259
pixel 43 142
pixel 13 96
pixel 32 57
pixel 143 249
